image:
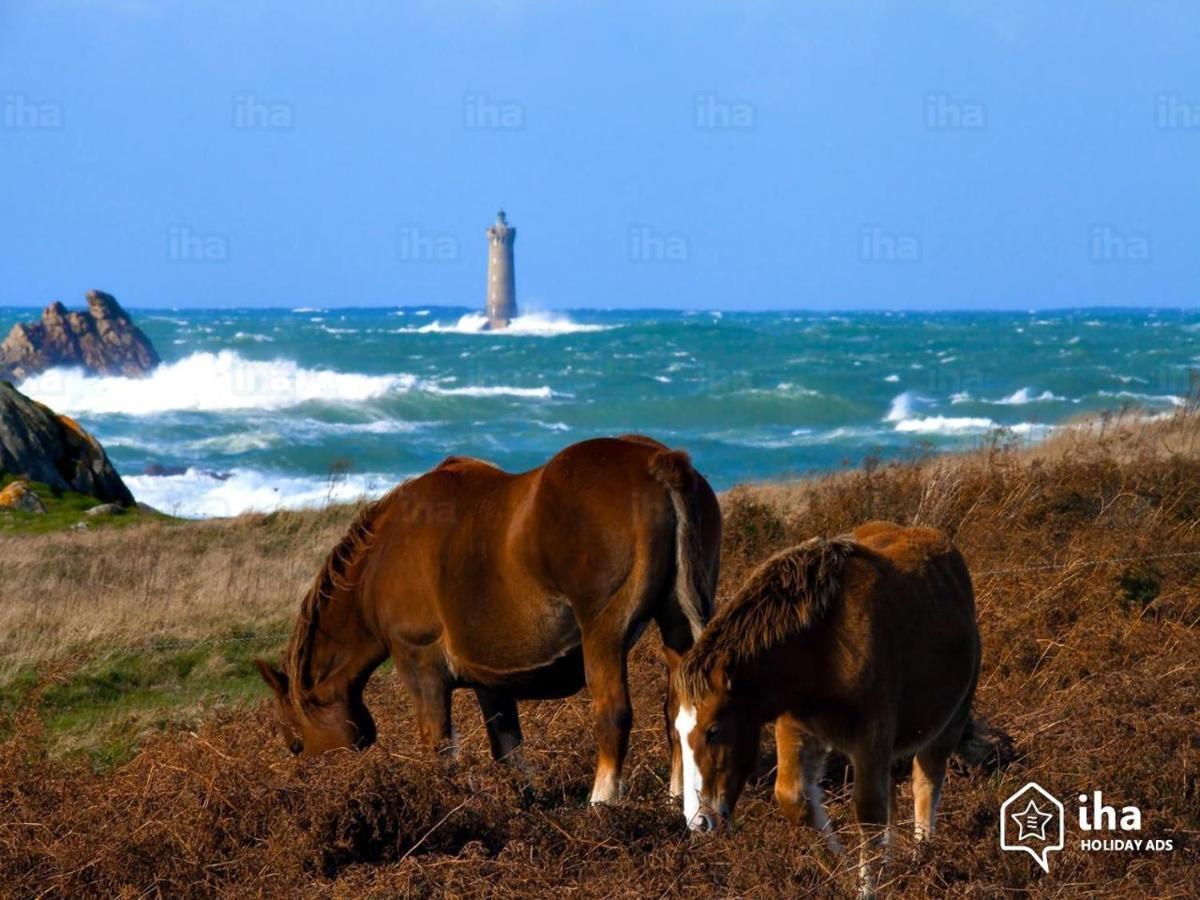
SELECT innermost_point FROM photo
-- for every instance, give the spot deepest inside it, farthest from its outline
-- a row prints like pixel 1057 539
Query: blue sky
pixel 696 154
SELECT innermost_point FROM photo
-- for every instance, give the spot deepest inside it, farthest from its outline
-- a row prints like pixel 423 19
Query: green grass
pixel 64 510
pixel 103 707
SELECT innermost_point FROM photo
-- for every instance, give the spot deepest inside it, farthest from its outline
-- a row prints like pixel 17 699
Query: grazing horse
pixel 514 585
pixel 866 644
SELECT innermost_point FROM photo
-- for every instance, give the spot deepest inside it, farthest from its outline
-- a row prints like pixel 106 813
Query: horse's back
pixel 922 557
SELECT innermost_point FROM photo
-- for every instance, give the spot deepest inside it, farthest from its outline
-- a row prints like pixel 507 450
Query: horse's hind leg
pixel 503 726
pixel 929 771
pixel 604 660
pixel 801 759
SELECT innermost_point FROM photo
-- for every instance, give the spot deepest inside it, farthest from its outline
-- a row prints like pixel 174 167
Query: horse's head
pixel 719 741
pixel 320 720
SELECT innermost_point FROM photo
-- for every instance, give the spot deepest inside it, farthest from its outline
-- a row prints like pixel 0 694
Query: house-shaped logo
pixel 1032 820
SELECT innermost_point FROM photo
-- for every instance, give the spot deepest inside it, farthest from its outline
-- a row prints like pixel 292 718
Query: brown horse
pixel 866 644
pixel 517 586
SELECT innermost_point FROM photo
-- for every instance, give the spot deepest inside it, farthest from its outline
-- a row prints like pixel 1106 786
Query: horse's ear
pixel 275 679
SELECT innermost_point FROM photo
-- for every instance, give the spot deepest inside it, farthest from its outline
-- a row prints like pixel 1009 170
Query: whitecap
pixel 1147 398
pixel 528 325
pixel 944 425
pixel 208 381
pixel 198 493
pixel 1026 395
pixel 903 406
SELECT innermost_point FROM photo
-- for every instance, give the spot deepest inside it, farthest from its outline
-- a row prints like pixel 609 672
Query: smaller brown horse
pixel 866 644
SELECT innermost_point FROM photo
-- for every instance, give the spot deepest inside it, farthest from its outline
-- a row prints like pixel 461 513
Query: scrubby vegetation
pixel 64 510
pixel 1086 558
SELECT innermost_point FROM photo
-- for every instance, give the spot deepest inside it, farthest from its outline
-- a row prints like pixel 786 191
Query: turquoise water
pixel 257 409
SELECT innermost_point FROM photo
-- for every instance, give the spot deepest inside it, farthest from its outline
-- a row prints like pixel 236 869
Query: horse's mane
pixel 332 576
pixel 782 597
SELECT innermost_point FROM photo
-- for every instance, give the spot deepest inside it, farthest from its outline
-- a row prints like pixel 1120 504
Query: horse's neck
pixel 345 650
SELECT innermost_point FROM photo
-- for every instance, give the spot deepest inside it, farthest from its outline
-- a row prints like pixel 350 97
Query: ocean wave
pixel 1026 395
pixel 198 493
pixel 904 407
pixel 1172 399
pixel 945 425
pixel 214 382
pixel 379 426
pixel 207 382
pixel 499 390
pixel 528 325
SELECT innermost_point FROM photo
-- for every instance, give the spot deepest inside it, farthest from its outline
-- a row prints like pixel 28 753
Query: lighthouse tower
pixel 501 284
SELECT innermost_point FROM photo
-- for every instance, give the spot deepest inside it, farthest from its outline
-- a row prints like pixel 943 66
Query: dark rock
pixel 103 339
pixel 38 444
pixel 161 471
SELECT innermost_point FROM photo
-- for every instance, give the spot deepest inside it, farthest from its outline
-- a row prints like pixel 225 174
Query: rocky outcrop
pixel 38 444
pixel 102 339
pixel 19 495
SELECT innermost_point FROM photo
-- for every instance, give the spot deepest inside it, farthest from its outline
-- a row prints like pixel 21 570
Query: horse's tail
pixel 695 583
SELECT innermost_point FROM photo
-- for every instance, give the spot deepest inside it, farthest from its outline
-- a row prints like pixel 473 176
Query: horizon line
pixel 644 309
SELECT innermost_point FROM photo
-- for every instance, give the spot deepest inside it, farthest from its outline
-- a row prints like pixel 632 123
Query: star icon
pixel 1032 822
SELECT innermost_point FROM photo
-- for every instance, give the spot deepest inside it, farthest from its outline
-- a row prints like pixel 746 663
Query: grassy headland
pixel 137 753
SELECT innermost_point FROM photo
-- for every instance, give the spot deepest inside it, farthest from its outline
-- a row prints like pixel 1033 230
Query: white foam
pixel 201 494
pixel 226 381
pixel 499 390
pixel 945 425
pixel 1172 399
pixel 892 379
pixel 528 325
pixel 1026 395
pixel 903 407
pixel 207 381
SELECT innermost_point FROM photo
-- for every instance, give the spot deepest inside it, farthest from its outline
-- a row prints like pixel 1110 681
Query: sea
pixel 266 409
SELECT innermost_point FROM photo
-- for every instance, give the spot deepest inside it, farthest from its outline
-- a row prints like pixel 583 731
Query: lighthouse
pixel 501 284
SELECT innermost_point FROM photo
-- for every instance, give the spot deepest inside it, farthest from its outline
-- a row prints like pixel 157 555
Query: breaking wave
pixel 226 381
pixel 198 493
pixel 528 325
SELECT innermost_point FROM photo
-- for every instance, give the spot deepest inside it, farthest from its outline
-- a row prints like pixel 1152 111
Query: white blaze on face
pixel 693 783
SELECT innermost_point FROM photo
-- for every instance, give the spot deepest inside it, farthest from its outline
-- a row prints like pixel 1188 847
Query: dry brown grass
pixel 158 580
pixel 1091 664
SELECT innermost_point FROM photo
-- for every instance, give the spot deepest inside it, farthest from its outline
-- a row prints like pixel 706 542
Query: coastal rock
pixel 18 495
pixel 104 509
pixel 38 444
pixel 102 339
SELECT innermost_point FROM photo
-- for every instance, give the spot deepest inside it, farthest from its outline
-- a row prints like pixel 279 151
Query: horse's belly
pixel 553 681
pixel 535 644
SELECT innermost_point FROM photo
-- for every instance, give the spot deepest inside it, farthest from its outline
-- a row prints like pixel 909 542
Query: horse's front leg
pixel 604 662
pixel 801 760
pixel 873 804
pixel 430 687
